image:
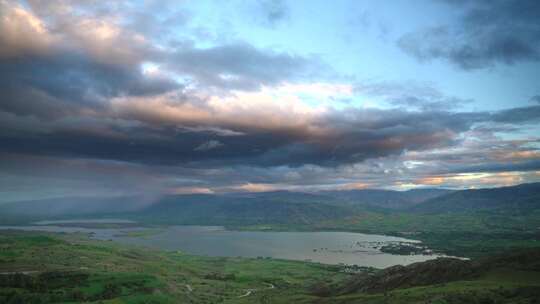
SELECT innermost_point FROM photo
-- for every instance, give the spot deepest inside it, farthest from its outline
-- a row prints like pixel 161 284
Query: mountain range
pixel 283 207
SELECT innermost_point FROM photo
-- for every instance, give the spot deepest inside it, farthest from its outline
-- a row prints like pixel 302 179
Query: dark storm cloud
pixel 489 32
pixel 63 65
pixel 343 137
pixel 86 49
pixel 48 86
pixel 102 102
pixel 528 114
pixel 529 165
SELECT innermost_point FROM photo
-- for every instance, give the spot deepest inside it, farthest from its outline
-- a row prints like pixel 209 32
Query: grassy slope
pixel 119 274
pixel 147 276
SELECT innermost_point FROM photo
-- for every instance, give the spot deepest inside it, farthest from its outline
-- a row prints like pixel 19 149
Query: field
pixel 103 271
pixel 64 268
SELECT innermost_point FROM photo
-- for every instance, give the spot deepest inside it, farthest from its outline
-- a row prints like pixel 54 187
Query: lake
pixel 324 247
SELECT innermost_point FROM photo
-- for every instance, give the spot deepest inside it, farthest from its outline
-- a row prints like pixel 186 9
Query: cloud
pixel 190 190
pixel 535 98
pixel 410 95
pixel 274 11
pixel 249 187
pixel 71 80
pixel 84 28
pixel 21 32
pixel 474 180
pixel 79 112
pixel 529 114
pixel 209 145
pixel 61 58
pixel 53 63
pixel 270 128
pixel 240 66
pixel 489 33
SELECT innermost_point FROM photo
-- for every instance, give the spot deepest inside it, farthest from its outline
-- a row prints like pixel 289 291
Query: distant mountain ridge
pixel 74 206
pixel 231 209
pixel 281 207
pixel 523 197
pixel 387 199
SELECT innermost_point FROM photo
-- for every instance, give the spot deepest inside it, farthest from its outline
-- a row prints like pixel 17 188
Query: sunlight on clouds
pixel 252 187
pixel 267 106
pixel 267 109
pixel 411 164
pixel 35 23
pixel 472 180
pixel 102 39
pixel 517 155
pixel 149 68
pixel 354 186
pixel 433 180
pixel 21 32
pixel 190 190
pixel 153 90
pixel 98 29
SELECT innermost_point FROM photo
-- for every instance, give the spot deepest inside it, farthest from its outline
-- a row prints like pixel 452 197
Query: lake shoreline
pixel 327 247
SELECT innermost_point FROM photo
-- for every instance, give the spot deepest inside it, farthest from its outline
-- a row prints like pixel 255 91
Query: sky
pixel 111 98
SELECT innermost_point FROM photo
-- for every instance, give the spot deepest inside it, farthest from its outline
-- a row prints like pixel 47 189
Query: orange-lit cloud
pixel 480 179
pixel 254 187
pixel 432 180
pixel 190 190
pixel 355 186
pixel 22 32
pixel 517 155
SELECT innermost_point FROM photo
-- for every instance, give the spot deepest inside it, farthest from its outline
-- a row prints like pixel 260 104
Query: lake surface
pixel 324 247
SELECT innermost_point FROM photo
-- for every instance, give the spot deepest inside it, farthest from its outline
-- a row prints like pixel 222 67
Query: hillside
pixel 385 199
pixel 488 280
pixel 64 268
pixel 431 272
pixel 74 206
pixel 243 208
pixel 520 198
pixel 203 209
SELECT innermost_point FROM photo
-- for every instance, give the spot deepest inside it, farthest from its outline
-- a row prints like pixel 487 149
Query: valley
pixel 44 268
pixel 280 248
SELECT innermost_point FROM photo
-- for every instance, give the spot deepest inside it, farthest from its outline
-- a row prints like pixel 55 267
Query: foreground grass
pixel 70 268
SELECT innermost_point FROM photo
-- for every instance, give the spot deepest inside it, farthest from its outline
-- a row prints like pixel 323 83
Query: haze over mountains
pixel 283 206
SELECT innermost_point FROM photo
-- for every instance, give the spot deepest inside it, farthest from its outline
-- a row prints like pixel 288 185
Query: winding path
pixel 250 291
pixel 21 272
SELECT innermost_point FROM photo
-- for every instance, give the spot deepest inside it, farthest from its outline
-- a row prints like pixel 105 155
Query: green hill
pixel 520 198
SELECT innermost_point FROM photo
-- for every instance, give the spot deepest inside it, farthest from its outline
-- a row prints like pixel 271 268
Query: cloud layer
pixel 489 33
pixel 96 100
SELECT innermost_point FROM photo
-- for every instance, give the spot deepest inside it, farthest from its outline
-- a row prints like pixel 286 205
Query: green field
pixel 70 268
pixel 110 273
